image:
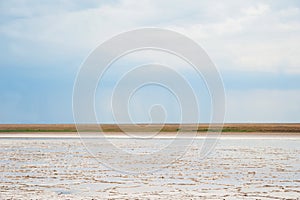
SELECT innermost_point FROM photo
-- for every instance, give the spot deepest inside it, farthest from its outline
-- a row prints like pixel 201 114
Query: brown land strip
pixel 227 128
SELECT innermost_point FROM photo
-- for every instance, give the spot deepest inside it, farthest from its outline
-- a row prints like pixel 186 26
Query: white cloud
pixel 260 39
pixel 257 10
pixel 239 36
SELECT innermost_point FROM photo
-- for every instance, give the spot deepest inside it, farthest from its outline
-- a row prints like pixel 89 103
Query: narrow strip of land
pixel 292 128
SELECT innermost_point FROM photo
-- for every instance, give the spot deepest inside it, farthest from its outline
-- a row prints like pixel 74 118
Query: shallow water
pixel 237 168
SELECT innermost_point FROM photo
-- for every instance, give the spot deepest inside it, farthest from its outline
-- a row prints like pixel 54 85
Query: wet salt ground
pixel 238 168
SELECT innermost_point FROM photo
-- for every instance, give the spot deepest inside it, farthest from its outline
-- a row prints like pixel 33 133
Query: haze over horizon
pixel 254 44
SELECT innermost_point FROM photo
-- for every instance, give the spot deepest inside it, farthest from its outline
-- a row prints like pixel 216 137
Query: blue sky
pixel 255 45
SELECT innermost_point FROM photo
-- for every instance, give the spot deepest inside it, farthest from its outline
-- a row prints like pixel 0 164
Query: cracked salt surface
pixel 238 168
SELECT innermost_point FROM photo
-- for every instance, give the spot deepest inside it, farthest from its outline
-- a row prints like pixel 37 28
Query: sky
pixel 254 44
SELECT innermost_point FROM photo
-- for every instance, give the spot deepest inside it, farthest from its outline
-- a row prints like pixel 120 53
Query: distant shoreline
pixel 248 128
pixel 161 135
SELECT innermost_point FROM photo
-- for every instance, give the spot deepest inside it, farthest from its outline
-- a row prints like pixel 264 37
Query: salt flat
pixel 239 167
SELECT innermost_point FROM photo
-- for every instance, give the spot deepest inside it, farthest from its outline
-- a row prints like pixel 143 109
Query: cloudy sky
pixel 254 44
